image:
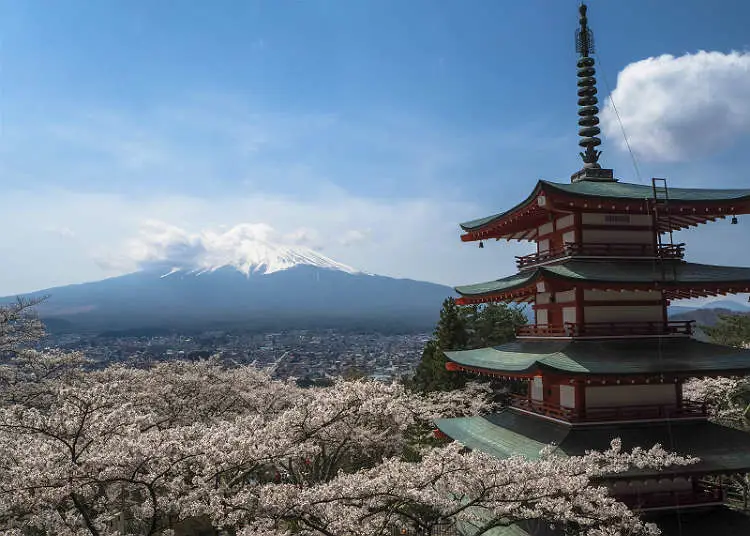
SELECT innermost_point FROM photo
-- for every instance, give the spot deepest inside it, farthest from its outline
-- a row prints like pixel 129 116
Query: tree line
pixel 463 328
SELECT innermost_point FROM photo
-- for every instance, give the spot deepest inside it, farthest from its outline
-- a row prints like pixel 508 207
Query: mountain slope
pixel 302 296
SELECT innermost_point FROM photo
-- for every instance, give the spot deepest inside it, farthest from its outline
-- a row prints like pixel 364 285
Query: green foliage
pixel 431 374
pixel 493 324
pixel 451 331
pixel 731 330
pixel 462 328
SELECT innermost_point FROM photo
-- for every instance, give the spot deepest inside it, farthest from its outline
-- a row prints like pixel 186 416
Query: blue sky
pixel 369 128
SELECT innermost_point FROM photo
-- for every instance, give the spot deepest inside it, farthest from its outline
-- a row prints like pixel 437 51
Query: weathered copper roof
pixel 510 432
pixel 667 274
pixel 681 356
pixel 721 521
pixel 622 191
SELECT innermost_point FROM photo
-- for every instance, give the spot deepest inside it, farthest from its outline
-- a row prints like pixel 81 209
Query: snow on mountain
pixel 248 248
pixel 261 257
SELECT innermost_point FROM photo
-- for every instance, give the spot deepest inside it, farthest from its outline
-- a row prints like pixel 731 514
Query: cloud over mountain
pixel 673 108
pixel 248 247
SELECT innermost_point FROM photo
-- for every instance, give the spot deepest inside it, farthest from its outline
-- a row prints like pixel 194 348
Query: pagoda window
pixel 569 315
pixel 546 229
pixel 537 389
pixel 567 396
pixel 565 221
pixel 565 296
pixel 612 396
pixel 541 317
pixel 543 245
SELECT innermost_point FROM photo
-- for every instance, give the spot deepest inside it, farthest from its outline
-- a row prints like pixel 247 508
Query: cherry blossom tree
pixel 199 448
pixel 728 403
pixel 727 399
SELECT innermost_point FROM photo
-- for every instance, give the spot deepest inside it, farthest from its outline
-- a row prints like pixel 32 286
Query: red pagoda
pixel 602 359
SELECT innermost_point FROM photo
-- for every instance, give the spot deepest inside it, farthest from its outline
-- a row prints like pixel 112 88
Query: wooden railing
pixel 576 249
pixel 543 408
pixel 607 329
pixel 541 330
pixel 686 409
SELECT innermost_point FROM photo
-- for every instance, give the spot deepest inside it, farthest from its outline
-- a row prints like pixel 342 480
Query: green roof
pixel 620 191
pixel 683 356
pixel 719 521
pixel 481 222
pixel 625 190
pixel 667 274
pixel 510 432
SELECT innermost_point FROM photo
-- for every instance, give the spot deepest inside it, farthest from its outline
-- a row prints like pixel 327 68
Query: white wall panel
pixel 594 218
pixel 605 236
pixel 623 313
pixel 565 221
pixel 630 395
pixel 546 228
pixel 567 396
pixel 537 389
pixel 616 295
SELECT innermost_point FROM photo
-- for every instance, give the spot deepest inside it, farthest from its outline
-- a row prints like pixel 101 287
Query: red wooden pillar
pixel 581 399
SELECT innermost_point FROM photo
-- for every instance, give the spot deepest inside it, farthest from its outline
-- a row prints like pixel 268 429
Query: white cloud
pixel 64 232
pixel 304 236
pixel 674 108
pixel 354 236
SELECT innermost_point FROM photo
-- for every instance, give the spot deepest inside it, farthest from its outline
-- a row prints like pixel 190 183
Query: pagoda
pixel 602 360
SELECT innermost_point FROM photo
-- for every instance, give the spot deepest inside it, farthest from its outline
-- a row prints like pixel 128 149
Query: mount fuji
pixel 256 286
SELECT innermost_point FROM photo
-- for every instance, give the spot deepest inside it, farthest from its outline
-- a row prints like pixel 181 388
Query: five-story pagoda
pixel 602 359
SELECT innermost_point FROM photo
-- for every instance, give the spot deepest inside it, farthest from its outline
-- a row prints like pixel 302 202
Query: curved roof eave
pixel 479 223
pixel 620 191
pixel 515 282
pixel 617 273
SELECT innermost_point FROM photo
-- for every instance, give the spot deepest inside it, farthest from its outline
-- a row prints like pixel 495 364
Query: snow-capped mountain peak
pixel 250 248
pixel 258 257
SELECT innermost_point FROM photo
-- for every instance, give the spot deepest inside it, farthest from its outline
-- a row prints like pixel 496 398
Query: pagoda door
pixel 554 316
pixel 555 242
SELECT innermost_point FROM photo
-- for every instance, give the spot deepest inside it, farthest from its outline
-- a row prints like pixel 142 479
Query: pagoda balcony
pixel 575 249
pixel 683 328
pixel 687 409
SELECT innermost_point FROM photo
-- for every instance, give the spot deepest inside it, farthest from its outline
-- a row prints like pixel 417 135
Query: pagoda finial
pixel 588 120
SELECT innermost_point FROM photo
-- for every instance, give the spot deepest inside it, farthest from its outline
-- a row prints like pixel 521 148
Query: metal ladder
pixel 661 206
